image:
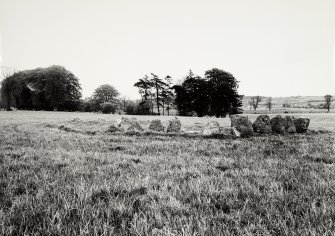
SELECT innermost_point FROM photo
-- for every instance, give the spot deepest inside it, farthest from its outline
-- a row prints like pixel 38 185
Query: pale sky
pixel 273 47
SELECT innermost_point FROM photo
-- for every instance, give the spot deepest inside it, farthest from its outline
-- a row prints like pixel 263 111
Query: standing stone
pixel 301 124
pixel 278 124
pixel 125 123
pixel 134 127
pixel 211 128
pixel 114 128
pixel 156 125
pixel 242 124
pixel 289 125
pixel 76 119
pixel 262 124
pixel 235 132
pixel 174 126
pixel 226 131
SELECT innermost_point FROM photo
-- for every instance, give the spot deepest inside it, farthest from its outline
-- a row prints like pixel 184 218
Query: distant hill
pixel 297 102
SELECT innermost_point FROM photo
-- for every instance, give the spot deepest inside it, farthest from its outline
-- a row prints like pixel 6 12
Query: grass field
pixel 66 176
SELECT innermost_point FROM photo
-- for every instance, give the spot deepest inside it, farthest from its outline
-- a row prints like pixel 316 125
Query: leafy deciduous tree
pixel 254 101
pixel 42 88
pixel 224 98
pixel 269 103
pixel 105 93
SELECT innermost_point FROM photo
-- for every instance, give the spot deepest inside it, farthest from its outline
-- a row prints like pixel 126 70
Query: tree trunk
pixel 157 99
pixel 163 108
pixel 9 95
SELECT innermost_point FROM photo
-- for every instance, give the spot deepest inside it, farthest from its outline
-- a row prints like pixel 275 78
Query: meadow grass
pixel 66 176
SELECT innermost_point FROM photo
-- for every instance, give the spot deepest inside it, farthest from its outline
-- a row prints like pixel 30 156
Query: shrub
pixel 108 108
pixel 130 108
pixel 143 108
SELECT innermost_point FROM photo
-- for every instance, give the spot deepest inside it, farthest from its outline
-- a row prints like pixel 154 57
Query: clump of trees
pixel 214 95
pixel 104 99
pixel 155 92
pixel 55 88
pixel 52 88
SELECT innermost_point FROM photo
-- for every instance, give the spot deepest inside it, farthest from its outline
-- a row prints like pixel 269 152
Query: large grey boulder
pixel 301 124
pixel 124 121
pixel 127 125
pixel 289 125
pixel 242 124
pixel 156 125
pixel 226 131
pixel 134 127
pixel 174 126
pixel 262 124
pixel 211 128
pixel 282 125
pixel 278 124
pixel 115 128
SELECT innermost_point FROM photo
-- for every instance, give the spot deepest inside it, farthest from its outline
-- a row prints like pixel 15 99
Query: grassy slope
pixel 58 182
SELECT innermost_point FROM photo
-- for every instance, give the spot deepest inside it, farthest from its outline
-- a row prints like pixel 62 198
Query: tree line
pixel 55 88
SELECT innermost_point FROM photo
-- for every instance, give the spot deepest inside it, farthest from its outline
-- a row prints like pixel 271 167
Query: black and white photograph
pixel 167 118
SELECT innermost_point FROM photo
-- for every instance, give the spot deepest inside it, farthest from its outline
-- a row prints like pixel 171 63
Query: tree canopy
pixel 105 93
pixel 216 94
pixel 155 91
pixel 52 88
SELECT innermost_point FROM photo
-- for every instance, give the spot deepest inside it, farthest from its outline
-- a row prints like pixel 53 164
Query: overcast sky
pixel 273 47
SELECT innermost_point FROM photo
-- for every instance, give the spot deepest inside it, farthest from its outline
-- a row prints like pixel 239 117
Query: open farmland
pixel 65 176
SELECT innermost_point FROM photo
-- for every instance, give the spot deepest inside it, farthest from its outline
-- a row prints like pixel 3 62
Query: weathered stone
pixel 278 124
pixel 262 124
pixel 134 127
pixel 113 128
pixel 174 126
pixel 76 119
pixel 301 124
pixel 235 132
pixel 126 123
pixel 156 125
pixel 289 125
pixel 123 121
pixel 226 131
pixel 211 128
pixel 242 124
